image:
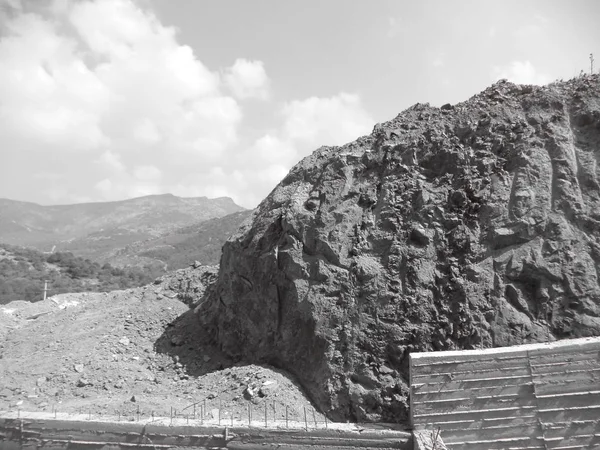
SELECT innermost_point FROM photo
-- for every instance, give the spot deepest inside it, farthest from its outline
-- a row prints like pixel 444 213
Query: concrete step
pixel 451 436
pixel 569 400
pixel 567 372
pixel 464 385
pixel 492 423
pixel 482 374
pixel 555 430
pixel 474 364
pixel 516 443
pixel 551 387
pixel 421 395
pixel 574 442
pixel 557 366
pixel 472 415
pixel 591 412
pixel 479 404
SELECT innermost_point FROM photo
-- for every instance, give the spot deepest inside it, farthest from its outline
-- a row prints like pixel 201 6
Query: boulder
pixel 478 225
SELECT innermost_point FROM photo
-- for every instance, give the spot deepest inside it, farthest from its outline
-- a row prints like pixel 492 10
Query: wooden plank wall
pixel 539 396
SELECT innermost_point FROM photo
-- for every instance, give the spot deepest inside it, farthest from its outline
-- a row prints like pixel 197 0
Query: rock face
pixel 188 285
pixel 456 227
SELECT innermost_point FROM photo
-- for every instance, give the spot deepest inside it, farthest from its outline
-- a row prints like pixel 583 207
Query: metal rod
pixel 305 419
pixel 45 288
pixel 265 414
pixel 315 418
pixel 220 405
pixel 286 416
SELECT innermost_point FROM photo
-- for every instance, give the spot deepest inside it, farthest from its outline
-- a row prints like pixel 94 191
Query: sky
pixel 105 100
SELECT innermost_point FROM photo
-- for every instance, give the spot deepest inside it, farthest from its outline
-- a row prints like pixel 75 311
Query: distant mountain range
pixel 200 242
pixel 138 231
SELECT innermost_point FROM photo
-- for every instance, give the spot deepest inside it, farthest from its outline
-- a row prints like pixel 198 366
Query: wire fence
pixel 202 413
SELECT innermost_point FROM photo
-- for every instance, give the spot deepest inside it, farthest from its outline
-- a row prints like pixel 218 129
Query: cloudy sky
pixel 112 99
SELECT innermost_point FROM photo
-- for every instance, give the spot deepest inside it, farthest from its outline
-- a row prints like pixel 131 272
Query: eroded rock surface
pixel 456 227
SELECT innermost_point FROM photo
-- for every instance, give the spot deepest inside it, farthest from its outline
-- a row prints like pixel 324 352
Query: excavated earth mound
pixel 470 225
pixel 103 354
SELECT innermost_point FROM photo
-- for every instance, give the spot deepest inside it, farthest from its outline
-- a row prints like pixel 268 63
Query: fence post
pixel 305 419
pixel 265 414
pixel 249 415
pixel 315 418
pixel 220 406
pixel 286 416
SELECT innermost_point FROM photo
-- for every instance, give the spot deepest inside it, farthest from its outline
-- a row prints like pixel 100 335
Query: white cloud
pixel 147 173
pixel 107 78
pixel 103 85
pixel 111 161
pixel 393 27
pixel 439 60
pixel 248 79
pixel 326 121
pixel 521 72
pixel 104 186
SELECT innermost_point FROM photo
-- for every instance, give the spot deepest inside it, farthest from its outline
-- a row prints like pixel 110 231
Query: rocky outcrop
pixel 470 225
pixel 189 285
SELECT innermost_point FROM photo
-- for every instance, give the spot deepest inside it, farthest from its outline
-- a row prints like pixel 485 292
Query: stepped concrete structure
pixel 537 396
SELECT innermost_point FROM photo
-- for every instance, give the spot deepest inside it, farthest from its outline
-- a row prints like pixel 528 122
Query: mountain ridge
pixel 99 223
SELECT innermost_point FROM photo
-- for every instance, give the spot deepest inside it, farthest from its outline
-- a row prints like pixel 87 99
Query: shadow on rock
pixel 185 341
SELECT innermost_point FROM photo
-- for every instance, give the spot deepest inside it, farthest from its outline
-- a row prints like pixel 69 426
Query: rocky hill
pixel 94 229
pixel 476 224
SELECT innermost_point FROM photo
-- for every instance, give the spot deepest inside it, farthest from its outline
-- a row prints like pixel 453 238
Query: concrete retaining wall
pixel 540 396
pixel 48 434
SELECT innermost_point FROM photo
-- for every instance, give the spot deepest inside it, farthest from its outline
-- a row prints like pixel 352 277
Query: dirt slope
pixel 470 225
pixel 93 353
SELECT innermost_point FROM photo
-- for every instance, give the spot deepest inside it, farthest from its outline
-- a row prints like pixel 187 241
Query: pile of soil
pixel 112 353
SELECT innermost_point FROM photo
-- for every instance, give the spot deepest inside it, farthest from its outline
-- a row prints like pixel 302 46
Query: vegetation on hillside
pixel 23 271
pixel 200 242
